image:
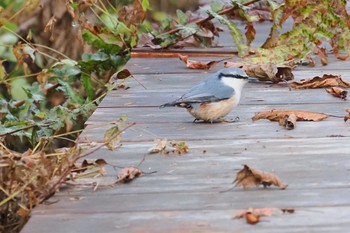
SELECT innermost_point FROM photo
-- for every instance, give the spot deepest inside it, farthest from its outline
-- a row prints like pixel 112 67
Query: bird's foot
pixel 236 119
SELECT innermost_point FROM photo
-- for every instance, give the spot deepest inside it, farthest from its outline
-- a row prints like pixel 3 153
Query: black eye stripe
pixel 232 76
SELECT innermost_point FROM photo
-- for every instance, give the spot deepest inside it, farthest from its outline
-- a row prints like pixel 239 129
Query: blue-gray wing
pixel 209 90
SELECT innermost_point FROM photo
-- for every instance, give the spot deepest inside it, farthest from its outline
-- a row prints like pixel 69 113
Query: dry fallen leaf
pixel 322 53
pixel 248 177
pixel 161 144
pixel 252 215
pixel 265 72
pixel 347 117
pixel 127 174
pixel 174 147
pixel 338 92
pixel 197 64
pixel 327 80
pixel 276 115
pixel 288 121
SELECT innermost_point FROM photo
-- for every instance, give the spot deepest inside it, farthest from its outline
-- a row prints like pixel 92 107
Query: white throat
pixel 236 83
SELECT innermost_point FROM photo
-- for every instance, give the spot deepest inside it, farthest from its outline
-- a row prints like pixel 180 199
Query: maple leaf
pixel 265 71
pixel 338 92
pixel 247 177
pixel 327 80
pixel 277 115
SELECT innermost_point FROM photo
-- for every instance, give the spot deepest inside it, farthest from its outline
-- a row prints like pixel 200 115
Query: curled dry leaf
pixel 248 177
pixel 347 117
pixel 288 121
pixel 322 53
pixel 277 115
pixel 338 92
pixel 265 72
pixel 127 174
pixel 252 215
pixel 161 145
pixel 327 80
pixel 197 64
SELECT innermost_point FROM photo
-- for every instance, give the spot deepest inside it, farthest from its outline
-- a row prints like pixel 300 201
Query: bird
pixel 215 97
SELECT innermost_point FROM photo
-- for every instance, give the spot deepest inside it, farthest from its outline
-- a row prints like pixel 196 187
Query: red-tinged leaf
pixel 250 33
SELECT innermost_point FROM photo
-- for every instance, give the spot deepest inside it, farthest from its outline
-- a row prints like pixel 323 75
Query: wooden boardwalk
pixel 184 195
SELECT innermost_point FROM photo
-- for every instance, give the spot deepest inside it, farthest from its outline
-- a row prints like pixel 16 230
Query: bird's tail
pixel 171 104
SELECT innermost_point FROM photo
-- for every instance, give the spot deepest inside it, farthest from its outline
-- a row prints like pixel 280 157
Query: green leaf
pixel 145 5
pixel 216 6
pixel 89 90
pixel 183 19
pixel 70 93
pixel 188 29
pixel 234 32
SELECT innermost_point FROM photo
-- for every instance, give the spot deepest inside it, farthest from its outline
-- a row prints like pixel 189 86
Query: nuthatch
pixel 214 97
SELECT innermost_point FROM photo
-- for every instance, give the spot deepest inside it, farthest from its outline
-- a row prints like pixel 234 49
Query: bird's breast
pixel 210 111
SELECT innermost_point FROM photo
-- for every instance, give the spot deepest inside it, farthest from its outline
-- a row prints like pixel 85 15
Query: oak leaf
pixel 338 92
pixel 265 72
pixel 127 174
pixel 248 177
pixel 198 64
pixel 327 80
pixel 277 115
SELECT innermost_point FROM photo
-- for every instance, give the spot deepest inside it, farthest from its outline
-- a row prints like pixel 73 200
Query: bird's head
pixel 233 77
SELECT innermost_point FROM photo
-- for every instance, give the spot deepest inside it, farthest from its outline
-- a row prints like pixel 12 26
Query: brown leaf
pixel 288 121
pixel 322 53
pixel 338 92
pixel 277 115
pixel 252 215
pixel 123 74
pixel 265 72
pixel 252 218
pixel 248 177
pixel 327 80
pixel 127 174
pixel 347 117
pixel 50 26
pixel 250 33
pixel 161 144
pixel 197 64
